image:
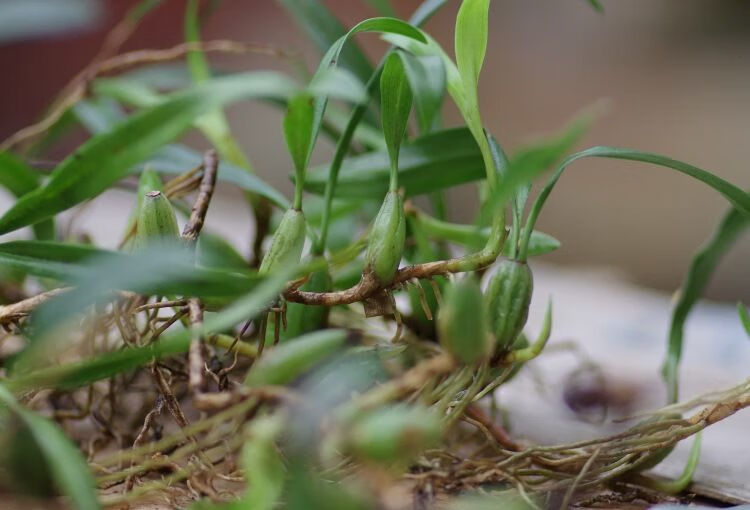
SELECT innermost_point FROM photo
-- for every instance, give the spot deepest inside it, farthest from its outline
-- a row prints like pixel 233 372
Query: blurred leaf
pixel 73 375
pixel 159 270
pixel 47 259
pixel 106 158
pixel 213 251
pixel 139 10
pixel 19 179
pixel 428 164
pixel 425 11
pixel 288 361
pixel 325 30
pixel 27 19
pixel 175 158
pixel 702 267
pixel 508 500
pixel 68 467
pixel 744 317
pixel 383 7
pixel 427 81
pixel 471 236
pixel 597 5
pixel 395 103
pixel 529 162
pixel 338 83
pixel 307 490
pixel 262 464
pixel 213 123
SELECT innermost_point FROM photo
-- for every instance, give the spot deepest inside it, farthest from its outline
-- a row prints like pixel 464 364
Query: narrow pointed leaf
pixel 19 179
pixel 744 317
pixel 383 7
pixel 395 105
pixel 106 158
pixel 428 164
pixel 167 271
pixel 73 375
pixel 298 126
pixel 213 123
pixel 324 30
pixel 427 81
pixel 702 267
pixel 471 43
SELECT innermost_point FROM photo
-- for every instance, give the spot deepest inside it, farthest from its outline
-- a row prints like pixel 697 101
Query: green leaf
pixel 744 317
pixel 264 470
pixel 298 127
pixel 68 467
pixel 395 103
pixel 597 5
pixel 425 11
pixel 383 7
pixel 333 55
pixel 471 44
pixel 19 179
pixel 214 252
pixel 430 163
pixel 325 30
pixel 82 373
pixel 47 259
pixel 431 49
pixel 174 158
pixel 740 199
pixel 702 267
pixel 106 158
pixel 529 162
pixel 471 236
pixel 213 123
pixel 338 83
pixel 427 81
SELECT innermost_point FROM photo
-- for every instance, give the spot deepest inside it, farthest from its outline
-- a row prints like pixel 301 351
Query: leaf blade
pixel 79 177
pixel 69 469
pixel 395 101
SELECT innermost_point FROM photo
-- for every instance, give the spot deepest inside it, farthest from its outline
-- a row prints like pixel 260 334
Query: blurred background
pixel 675 72
pixel 676 75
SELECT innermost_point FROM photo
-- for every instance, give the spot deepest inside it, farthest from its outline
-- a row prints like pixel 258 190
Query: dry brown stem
pixel 16 311
pixel 76 89
pixel 205 192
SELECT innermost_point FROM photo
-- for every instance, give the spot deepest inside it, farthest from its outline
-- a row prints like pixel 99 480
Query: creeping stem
pixel 369 286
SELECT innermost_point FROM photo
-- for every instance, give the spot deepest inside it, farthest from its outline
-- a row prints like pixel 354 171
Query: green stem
pixel 299 185
pixel 393 185
pixel 420 16
pixel 681 483
pixel 342 147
